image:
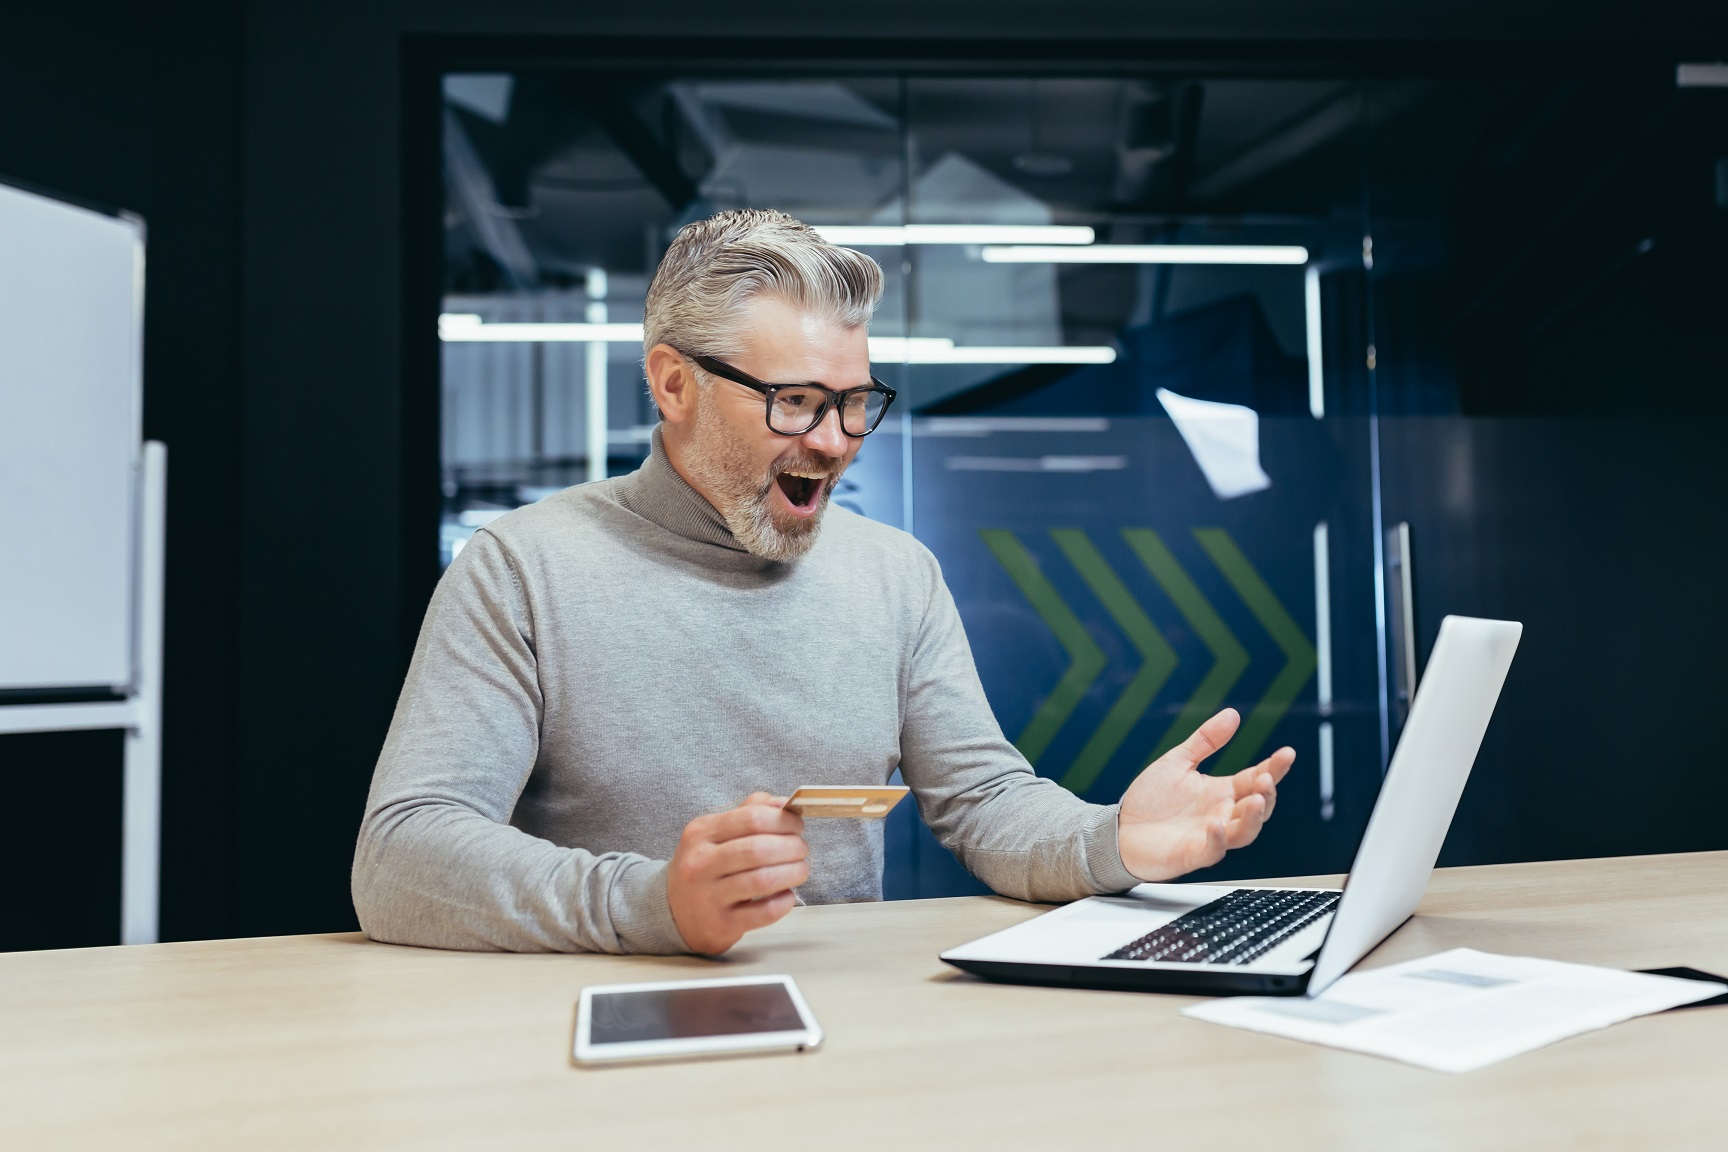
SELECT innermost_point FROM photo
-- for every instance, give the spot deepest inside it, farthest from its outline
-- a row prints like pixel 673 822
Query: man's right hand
pixel 735 871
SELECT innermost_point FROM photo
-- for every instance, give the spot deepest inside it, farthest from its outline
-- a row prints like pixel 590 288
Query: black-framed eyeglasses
pixel 794 409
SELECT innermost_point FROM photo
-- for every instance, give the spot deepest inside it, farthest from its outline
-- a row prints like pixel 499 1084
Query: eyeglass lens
pixel 795 410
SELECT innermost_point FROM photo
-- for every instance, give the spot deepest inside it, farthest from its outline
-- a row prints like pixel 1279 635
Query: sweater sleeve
pixel 1023 835
pixel 438 863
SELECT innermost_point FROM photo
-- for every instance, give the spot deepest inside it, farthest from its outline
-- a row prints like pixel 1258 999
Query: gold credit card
pixel 865 802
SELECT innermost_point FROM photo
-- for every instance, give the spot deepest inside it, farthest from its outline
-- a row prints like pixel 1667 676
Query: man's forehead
pixel 786 344
pixel 813 327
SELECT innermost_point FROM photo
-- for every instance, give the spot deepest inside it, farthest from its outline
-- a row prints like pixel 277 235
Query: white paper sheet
pixel 1460 1010
pixel 1225 441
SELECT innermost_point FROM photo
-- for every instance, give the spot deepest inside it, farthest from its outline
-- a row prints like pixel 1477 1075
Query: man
pixel 603 674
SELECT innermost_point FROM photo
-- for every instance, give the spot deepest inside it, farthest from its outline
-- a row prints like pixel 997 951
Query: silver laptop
pixel 1223 938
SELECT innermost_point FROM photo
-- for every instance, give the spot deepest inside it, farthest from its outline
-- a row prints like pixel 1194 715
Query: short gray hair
pixel 716 267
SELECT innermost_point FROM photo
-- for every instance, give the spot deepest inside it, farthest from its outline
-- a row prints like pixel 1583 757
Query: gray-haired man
pixel 603 674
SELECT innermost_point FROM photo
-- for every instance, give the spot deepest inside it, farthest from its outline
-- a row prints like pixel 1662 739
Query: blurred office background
pixel 1447 338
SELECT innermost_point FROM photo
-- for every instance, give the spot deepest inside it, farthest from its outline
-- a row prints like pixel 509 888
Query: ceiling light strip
pixel 464 327
pixel 899 235
pixel 1701 75
pixel 1149 254
pixel 1009 354
pixel 460 327
pixel 897 348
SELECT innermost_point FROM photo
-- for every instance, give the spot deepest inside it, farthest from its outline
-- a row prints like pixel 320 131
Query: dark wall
pixel 262 142
pixel 1604 536
pixel 60 840
pixel 139 107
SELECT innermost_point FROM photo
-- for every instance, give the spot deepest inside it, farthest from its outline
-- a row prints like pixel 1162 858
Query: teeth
pixel 806 475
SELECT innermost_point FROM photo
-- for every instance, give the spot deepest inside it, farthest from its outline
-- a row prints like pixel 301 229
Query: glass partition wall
pixel 1204 389
pixel 1549 312
pixel 1108 308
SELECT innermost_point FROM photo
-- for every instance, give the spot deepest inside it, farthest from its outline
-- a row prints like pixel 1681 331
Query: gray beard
pixel 722 466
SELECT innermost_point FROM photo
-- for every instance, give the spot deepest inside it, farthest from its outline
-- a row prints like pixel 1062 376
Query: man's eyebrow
pixel 819 384
pixel 868 380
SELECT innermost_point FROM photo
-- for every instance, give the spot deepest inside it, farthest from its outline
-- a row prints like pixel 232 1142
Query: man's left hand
pixel 1175 818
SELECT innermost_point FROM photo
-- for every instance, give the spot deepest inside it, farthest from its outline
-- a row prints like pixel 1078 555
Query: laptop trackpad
pixel 1090 928
pixel 1162 902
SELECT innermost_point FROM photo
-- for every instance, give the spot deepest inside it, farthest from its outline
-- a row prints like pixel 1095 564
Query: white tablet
pixel 684 1019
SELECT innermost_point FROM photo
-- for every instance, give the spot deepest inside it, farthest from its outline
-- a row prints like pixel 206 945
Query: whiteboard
pixel 71 340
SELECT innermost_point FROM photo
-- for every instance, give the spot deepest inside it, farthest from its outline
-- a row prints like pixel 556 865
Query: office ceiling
pixel 1516 190
pixel 589 177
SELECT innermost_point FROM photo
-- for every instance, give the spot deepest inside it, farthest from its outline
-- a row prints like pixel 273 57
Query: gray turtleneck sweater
pixel 598 669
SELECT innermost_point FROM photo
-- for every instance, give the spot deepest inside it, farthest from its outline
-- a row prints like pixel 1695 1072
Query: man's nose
pixel 826 437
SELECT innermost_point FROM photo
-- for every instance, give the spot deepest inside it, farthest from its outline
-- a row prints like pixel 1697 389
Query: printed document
pixel 1460 1010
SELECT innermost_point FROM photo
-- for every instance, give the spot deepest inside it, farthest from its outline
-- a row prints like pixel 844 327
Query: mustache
pixel 802 460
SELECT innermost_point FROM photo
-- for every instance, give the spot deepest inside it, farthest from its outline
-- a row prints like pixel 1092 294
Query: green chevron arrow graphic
pixel 1299 658
pixel 1229 658
pixel 1086 659
pixel 1157 658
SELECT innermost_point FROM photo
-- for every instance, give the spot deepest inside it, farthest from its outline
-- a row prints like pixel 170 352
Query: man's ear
pixel 671 383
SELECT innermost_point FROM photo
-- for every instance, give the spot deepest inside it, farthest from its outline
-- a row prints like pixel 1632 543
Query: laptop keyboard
pixel 1233 929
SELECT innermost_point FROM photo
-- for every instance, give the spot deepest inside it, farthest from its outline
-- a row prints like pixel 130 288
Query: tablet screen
pixel 677 1013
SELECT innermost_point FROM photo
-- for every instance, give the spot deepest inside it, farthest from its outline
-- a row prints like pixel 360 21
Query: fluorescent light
pixel 1151 254
pixel 896 235
pixel 1036 463
pixel 898 348
pixel 1316 363
pixel 479 517
pixel 464 327
pixel 1065 354
pixel 989 425
pixel 1701 75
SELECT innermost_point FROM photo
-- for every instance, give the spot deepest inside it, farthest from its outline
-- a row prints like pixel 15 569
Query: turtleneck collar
pixel 657 492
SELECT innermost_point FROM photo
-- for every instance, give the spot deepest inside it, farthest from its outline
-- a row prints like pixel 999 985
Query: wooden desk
pixel 327 1041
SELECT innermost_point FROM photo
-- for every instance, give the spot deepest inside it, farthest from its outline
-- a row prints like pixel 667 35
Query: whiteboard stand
pixel 140 714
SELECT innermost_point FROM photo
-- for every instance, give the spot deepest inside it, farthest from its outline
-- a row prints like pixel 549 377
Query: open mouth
pixel 801 489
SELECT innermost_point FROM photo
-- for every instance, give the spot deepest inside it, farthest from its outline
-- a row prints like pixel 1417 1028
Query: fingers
pixel 1262 789
pixel 734 871
pixel 1264 775
pixel 1209 737
pixel 1259 780
pixel 749 819
pixel 760 851
pixel 1168 843
pixel 1262 779
pixel 1278 764
pixel 1246 818
pixel 761 882
pixel 761 913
